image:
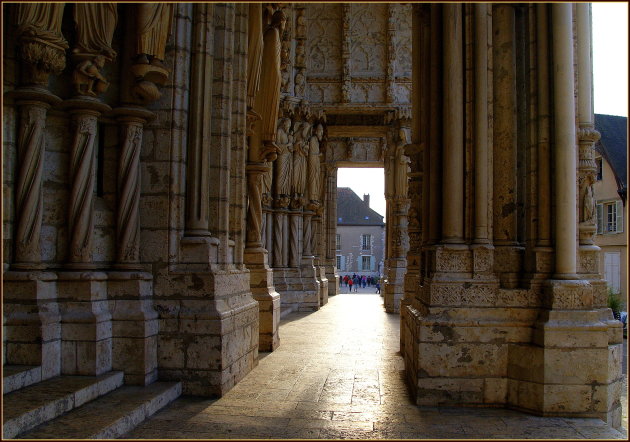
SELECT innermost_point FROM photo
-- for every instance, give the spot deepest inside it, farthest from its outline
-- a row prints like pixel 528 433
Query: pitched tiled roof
pixel 352 210
pixel 613 146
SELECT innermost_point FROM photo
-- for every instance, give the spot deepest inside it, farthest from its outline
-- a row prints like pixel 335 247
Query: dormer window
pixel 598 165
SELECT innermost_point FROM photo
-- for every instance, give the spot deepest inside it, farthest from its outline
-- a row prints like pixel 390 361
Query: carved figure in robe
pixel 588 209
pixel 41 21
pixel 300 60
pixel 268 98
pixel 300 28
pixel 300 153
pixel 284 162
pixel 254 52
pixel 314 178
pixel 267 179
pixel 402 162
pixel 154 25
pixel 42 46
pixel 96 23
pixel 87 78
pixel 300 83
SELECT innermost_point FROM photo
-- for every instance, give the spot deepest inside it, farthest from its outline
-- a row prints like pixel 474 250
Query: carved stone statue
pixel 284 162
pixel 588 204
pixel 314 178
pixel 300 83
pixel 254 52
pixel 401 163
pixel 154 25
pixel 42 46
pixel 267 179
pixel 300 153
pixel 300 57
pixel 268 97
pixel 87 78
pixel 96 23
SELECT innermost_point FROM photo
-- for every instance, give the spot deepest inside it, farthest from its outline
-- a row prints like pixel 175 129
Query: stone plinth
pixel 311 293
pixel 134 326
pixel 323 285
pixel 393 289
pixel 208 338
pixel 86 323
pixel 32 329
pixel 263 291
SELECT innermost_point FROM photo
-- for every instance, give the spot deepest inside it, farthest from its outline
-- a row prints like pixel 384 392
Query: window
pixel 341 262
pixel 598 164
pixel 366 263
pixel 612 270
pixel 366 242
pixel 610 217
pixel 338 241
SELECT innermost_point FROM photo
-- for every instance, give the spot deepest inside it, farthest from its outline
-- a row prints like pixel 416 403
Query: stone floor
pixel 338 374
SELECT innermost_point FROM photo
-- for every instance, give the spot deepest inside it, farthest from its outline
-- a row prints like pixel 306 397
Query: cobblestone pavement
pixel 338 374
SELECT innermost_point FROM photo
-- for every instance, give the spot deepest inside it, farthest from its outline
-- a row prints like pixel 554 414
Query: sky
pixel 610 89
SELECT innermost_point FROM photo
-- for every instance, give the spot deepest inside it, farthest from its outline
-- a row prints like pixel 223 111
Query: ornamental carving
pixel 401 16
pixel 368 24
pixel 42 46
pixel 323 45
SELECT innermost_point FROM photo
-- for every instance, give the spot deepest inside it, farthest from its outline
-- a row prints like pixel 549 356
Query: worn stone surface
pixel 349 383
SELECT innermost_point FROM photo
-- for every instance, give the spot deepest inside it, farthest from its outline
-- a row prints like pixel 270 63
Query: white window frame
pixel 370 261
pixel 610 217
pixel 366 241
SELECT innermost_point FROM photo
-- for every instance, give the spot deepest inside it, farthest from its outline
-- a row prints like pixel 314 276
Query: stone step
pixel 36 404
pixel 15 377
pixel 110 416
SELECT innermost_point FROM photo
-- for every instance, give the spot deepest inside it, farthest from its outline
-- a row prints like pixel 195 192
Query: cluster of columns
pixel 73 327
pixel 507 195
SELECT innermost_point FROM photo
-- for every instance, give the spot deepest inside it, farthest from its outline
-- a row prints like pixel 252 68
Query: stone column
pixel 31 314
pixel 543 249
pixel 508 255
pixel 32 334
pixel 569 330
pixel 256 260
pixel 453 169
pixel 397 261
pixel 482 249
pixel 331 230
pixel 587 136
pixel 564 143
pixel 310 300
pixel 86 318
pixel 134 320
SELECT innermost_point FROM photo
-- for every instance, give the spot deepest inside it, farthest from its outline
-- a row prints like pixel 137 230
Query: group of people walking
pixel 355 281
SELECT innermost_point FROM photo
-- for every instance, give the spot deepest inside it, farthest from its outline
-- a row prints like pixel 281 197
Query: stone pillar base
pixel 573 366
pixel 263 291
pixel 333 280
pixel 86 323
pixel 209 339
pixel 311 292
pixel 323 285
pixel 32 329
pixel 134 326
pixel 200 251
pixel 393 290
pixel 508 265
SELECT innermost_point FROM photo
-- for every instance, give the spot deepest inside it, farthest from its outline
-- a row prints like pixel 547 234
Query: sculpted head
pixel 319 131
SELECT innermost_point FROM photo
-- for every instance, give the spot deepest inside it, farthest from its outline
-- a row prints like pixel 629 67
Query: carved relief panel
pixel 402 40
pixel 368 24
pixel 323 44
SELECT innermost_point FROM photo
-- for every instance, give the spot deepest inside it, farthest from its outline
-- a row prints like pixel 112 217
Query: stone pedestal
pixel 86 323
pixel 134 326
pixel 263 291
pixel 208 338
pixel 32 329
pixel 311 293
pixel 573 366
pixel 323 285
pixel 393 289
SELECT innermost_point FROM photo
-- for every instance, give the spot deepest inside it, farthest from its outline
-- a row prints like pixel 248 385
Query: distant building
pixel 360 235
pixel 611 155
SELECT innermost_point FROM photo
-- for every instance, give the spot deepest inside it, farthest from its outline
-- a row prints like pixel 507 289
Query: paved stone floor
pixel 338 374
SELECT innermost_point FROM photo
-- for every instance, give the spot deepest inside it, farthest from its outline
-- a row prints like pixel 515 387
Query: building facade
pixel 169 185
pixel 611 156
pixel 360 236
